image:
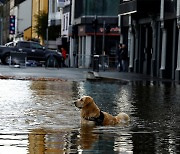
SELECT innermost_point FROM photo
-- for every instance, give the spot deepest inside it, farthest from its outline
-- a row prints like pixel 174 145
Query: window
pixel 96 7
pixel 24 44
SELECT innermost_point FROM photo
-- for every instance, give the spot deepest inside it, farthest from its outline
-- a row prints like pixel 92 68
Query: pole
pixel 95 17
pixel 47 37
pixel 103 41
pixel 1 31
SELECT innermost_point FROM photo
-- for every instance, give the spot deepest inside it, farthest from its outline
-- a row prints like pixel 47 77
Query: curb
pixel 95 76
pixel 91 75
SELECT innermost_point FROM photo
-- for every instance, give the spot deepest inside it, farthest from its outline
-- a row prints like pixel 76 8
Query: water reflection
pixel 41 141
pixel 82 140
pixel 13 143
pixel 39 117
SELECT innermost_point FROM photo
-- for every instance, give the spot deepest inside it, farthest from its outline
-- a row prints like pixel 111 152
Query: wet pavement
pixel 38 115
pixel 71 74
pixel 42 72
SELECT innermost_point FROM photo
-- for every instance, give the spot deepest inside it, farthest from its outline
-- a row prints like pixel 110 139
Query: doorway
pixel 145 49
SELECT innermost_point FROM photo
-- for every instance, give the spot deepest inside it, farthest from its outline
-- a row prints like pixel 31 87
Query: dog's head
pixel 89 109
pixel 84 102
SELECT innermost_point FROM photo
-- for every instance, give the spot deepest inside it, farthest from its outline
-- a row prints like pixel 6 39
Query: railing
pixel 18 59
pixel 101 62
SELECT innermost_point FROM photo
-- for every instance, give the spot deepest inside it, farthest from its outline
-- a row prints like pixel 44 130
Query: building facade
pixel 151 29
pixel 22 20
pixel 58 20
pixel 88 35
pixel 66 19
pixel 54 23
pixel 37 7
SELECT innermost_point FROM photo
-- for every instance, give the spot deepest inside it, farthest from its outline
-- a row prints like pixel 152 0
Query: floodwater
pixel 39 117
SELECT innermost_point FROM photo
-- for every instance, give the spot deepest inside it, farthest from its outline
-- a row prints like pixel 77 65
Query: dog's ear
pixel 88 100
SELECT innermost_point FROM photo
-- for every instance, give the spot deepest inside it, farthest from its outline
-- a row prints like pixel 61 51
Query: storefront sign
pixel 113 29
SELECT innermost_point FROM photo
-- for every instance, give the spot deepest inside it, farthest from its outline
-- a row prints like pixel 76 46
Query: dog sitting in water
pixel 92 115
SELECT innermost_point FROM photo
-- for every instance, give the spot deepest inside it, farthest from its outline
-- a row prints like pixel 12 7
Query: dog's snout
pixel 76 103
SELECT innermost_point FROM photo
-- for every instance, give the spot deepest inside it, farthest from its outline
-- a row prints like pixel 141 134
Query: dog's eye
pixel 81 99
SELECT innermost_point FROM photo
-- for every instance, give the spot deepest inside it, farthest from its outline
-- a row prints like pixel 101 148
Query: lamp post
pixel 94 26
pixel 95 57
pixel 1 30
pixel 103 42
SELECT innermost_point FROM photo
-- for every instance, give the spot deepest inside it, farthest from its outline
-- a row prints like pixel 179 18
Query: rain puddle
pixel 40 117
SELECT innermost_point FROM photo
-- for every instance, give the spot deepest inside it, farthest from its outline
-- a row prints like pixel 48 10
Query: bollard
pixel 96 63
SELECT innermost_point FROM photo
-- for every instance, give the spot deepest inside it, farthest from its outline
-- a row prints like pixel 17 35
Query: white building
pixel 59 14
pixel 23 15
pixel 55 12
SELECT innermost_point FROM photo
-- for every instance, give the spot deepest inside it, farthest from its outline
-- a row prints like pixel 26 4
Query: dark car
pixel 33 50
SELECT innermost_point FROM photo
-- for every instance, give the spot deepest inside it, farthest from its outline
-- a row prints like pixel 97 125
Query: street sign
pixel 12 24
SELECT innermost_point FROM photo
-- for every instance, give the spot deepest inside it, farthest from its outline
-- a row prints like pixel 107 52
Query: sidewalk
pixel 71 74
pixel 42 73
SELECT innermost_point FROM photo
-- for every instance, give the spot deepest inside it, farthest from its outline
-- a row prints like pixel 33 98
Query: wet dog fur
pixel 92 115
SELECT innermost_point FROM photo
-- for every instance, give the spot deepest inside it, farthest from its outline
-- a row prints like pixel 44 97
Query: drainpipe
pixel 177 73
pixel 164 41
pixel 73 46
pixel 153 49
pixel 163 55
pixel 120 26
pixel 135 47
pixel 131 45
pixel 1 30
pixel 131 51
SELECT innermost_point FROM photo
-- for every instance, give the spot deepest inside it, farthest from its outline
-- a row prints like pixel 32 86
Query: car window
pixel 24 44
pixel 37 46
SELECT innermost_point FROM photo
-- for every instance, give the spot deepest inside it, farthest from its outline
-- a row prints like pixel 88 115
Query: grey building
pixel 152 30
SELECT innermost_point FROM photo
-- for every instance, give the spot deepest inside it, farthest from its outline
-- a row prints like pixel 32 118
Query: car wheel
pixel 6 59
pixel 51 61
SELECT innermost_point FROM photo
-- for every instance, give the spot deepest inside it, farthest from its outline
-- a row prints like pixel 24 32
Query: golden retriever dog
pixel 92 115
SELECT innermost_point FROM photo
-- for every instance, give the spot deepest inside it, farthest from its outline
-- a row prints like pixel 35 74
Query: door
pixel 38 51
pixel 146 49
pixel 26 47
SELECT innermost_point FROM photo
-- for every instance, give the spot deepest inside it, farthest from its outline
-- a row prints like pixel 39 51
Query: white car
pixel 10 44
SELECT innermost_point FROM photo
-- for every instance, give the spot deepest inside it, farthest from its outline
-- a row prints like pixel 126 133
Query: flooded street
pixel 40 117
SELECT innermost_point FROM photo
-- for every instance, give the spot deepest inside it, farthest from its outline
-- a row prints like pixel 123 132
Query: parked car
pixel 10 44
pixel 34 51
